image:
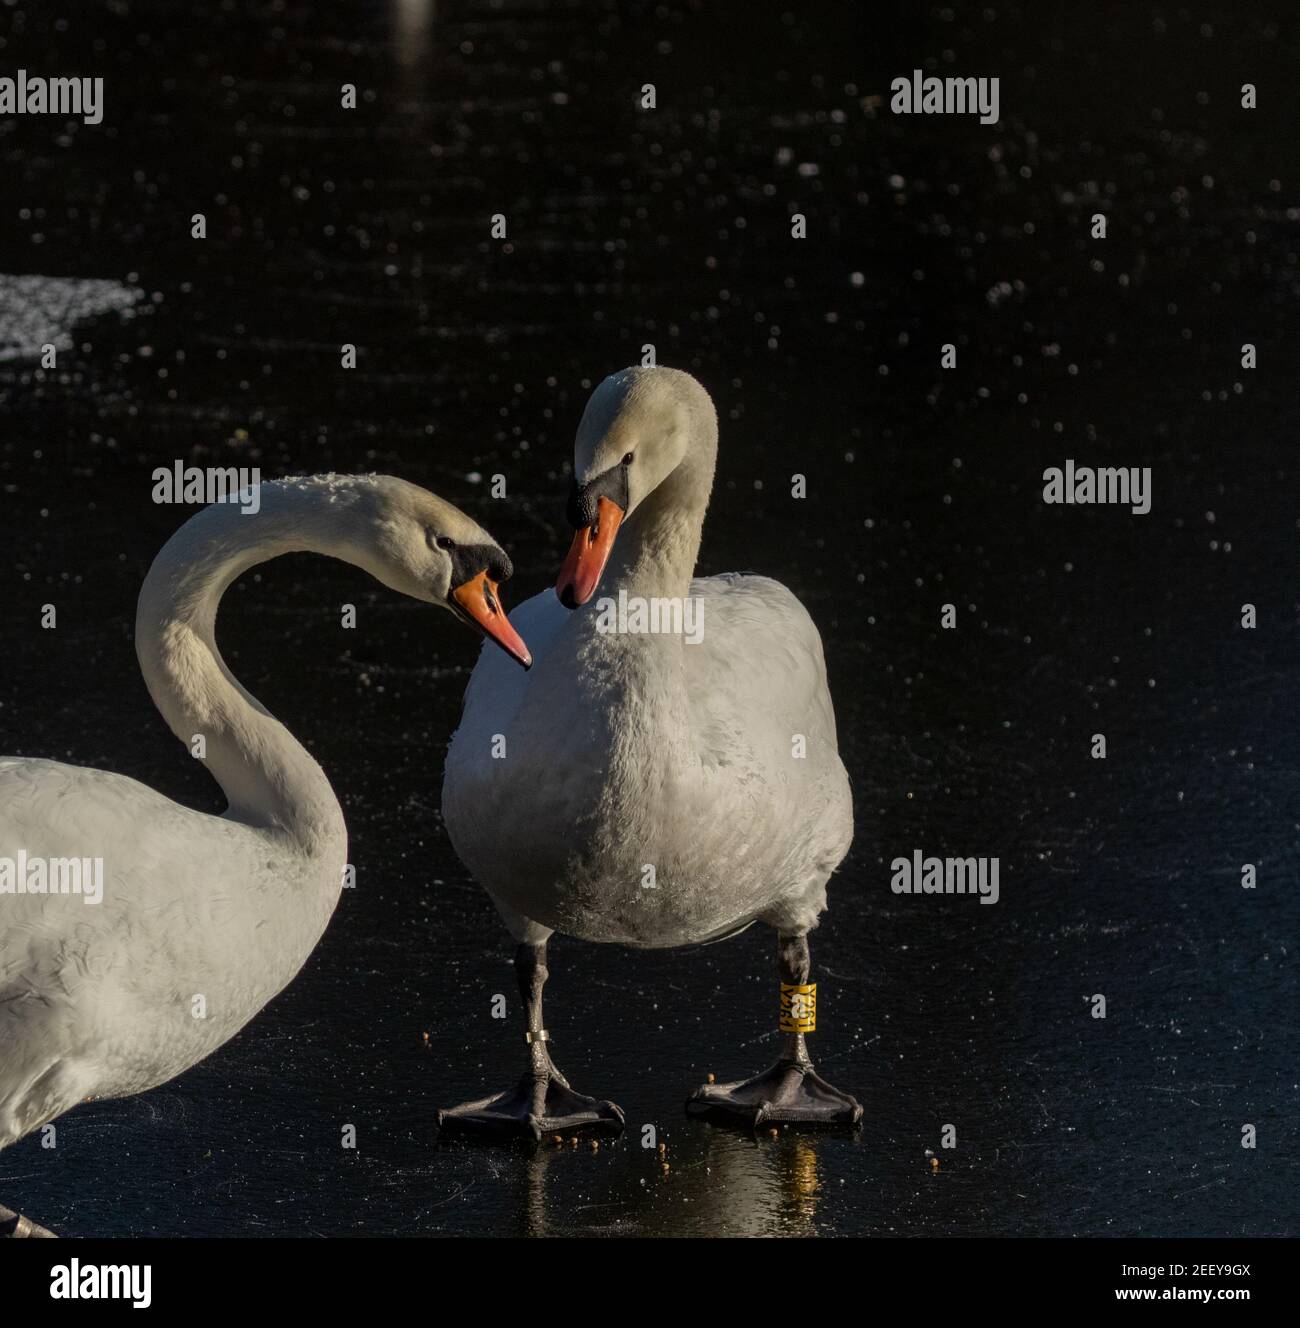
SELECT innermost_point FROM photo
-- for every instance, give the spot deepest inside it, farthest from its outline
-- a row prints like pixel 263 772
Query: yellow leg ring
pixel 798 1007
pixel 537 1035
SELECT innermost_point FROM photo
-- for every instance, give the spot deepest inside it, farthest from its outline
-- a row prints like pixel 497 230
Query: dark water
pixel 1119 877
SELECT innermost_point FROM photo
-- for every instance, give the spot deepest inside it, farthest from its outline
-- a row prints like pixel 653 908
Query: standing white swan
pixel 711 760
pixel 203 919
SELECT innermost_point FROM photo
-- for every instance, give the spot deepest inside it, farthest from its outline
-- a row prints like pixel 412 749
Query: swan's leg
pixel 791 1090
pixel 541 1102
pixel 15 1224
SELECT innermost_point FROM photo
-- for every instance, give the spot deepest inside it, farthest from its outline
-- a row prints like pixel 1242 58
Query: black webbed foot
pixel 538 1105
pixel 790 1092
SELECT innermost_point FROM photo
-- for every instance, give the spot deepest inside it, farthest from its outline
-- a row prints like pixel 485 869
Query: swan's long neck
pixel 267 776
pixel 637 682
pixel 655 552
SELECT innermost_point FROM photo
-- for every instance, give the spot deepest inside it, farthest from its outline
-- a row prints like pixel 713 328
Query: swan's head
pixel 423 547
pixel 637 430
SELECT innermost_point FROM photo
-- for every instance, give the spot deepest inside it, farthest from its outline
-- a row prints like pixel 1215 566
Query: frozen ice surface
pixel 36 311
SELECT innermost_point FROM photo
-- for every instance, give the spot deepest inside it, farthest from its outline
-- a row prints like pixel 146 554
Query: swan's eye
pixel 444 541
pixel 627 460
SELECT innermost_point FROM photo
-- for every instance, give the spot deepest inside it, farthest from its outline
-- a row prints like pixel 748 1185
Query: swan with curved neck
pixel 658 789
pixel 200 919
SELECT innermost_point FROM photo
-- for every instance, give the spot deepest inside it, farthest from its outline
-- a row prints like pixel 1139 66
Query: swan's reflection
pixel 533 1208
pixel 805 1180
pixel 716 1182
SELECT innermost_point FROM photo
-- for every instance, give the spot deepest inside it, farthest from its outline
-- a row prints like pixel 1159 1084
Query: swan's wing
pixel 167 868
pixel 86 986
pixel 759 660
pixel 762 710
pixel 48 798
pixel 63 958
pixel 52 811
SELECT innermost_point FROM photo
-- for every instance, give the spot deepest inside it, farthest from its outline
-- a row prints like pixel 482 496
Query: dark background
pixel 371 226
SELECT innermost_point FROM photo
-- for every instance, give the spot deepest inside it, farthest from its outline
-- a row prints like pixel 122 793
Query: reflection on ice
pixel 710 1182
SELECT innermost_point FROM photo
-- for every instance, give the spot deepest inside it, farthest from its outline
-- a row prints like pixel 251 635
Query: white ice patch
pixel 39 311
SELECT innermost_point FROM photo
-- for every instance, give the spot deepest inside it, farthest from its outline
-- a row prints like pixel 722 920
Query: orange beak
pixel 588 555
pixel 479 602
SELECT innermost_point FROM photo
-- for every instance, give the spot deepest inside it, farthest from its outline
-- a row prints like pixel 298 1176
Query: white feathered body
pixel 203 918
pixel 202 921
pixel 714 764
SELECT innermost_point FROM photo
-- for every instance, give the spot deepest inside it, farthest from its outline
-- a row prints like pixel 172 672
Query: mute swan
pixel 202 919
pixel 714 763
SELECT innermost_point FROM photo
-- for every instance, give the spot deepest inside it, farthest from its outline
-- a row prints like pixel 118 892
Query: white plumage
pixel 623 751
pixel 201 914
pixel 651 788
